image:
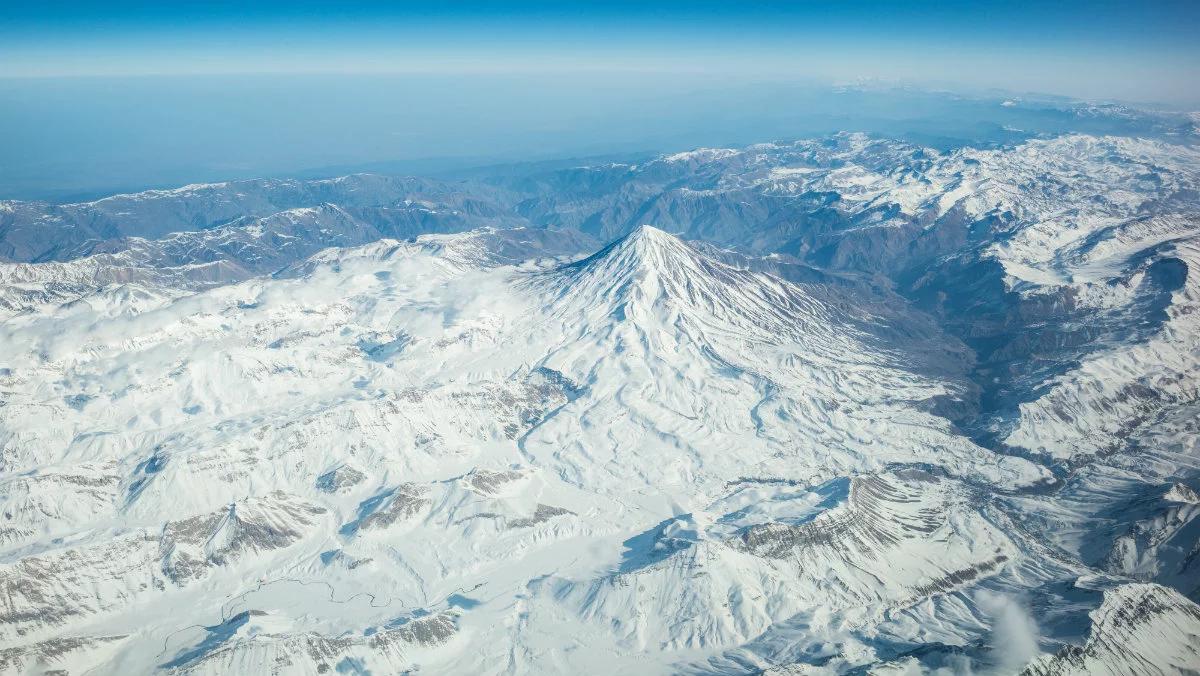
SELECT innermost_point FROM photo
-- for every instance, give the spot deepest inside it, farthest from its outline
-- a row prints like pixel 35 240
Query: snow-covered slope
pixel 1139 629
pixel 34 231
pixel 947 422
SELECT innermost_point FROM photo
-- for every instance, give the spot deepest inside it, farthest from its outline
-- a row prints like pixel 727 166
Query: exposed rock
pixel 339 479
pixel 255 525
pixel 1139 629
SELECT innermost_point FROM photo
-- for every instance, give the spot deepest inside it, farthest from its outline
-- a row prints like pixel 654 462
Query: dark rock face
pixel 1022 341
pixel 1135 620
pixel 865 525
pixel 47 654
pixel 490 483
pixel 219 645
pixel 191 546
pixel 340 479
pixel 389 507
pixel 540 514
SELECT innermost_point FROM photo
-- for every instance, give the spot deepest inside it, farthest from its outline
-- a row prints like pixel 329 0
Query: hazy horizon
pixel 75 139
pixel 97 98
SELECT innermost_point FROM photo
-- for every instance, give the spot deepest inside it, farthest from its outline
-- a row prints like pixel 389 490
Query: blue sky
pixel 101 97
pixel 1111 50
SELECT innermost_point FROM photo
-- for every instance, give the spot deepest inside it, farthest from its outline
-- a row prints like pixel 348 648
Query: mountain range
pixel 837 405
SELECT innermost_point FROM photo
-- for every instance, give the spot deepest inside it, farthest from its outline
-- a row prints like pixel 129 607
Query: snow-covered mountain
pixel 846 405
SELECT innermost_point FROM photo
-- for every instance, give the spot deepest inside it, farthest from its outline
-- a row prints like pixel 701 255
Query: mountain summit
pixel 645 255
pixel 655 276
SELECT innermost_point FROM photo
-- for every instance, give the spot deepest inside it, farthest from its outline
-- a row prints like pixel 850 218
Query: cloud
pixel 1014 638
pixel 1011 643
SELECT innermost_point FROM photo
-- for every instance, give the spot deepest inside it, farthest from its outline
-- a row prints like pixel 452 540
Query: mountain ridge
pixel 391 437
